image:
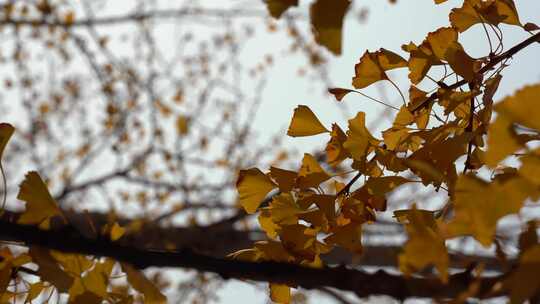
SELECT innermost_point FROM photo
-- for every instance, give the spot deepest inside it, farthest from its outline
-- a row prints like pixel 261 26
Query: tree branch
pixel 221 238
pixel 362 283
pixel 137 17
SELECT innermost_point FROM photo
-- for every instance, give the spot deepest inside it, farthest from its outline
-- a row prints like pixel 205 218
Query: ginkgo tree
pixel 453 138
pixel 446 138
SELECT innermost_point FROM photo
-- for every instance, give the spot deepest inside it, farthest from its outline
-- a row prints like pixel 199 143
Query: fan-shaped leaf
pixel 305 123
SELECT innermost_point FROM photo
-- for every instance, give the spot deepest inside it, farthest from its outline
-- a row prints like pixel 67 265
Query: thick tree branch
pixel 219 240
pixel 362 283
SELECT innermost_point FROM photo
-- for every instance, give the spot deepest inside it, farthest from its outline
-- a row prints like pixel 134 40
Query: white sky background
pixel 388 26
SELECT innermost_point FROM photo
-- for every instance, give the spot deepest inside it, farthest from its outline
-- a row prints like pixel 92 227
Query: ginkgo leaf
pixel 479 205
pixel 6 130
pixel 310 174
pixel 283 209
pixel 284 178
pixel 445 46
pixel 403 118
pixel 425 245
pixel 280 293
pixel 49 270
pixel 451 100
pixel 94 281
pixel 524 282
pixel 325 203
pixel 278 7
pixel 367 71
pixel 522 107
pixel 34 291
pixel 502 141
pixel 273 251
pixel 358 208
pixel 316 218
pixel 335 151
pixel 530 166
pixel 441 155
pixel 531 27
pixel 40 206
pixel 372 67
pixel 339 93
pixel 389 60
pixel 299 240
pixel 267 224
pixel 380 186
pixel 359 139
pixel 253 186
pixel 416 98
pixel 182 126
pixel 327 22
pixel 477 11
pixel 421 60
pixel 348 237
pixel 305 123
pixel 117 231
pixel 140 283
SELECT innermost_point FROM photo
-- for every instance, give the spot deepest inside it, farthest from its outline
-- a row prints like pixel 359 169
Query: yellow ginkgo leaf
pixel 280 293
pixel 348 237
pixel 310 174
pixel 327 22
pixel 524 282
pixel 299 240
pixel 522 107
pixel 117 231
pixel 94 281
pixel 530 167
pixel 284 178
pixel 359 139
pixel 420 61
pixel 339 93
pixel 380 186
pixel 477 11
pixel 335 152
pixel 445 46
pixel 140 283
pixel 40 206
pixel 389 60
pixel 502 141
pixel 425 245
pixel 403 118
pixel 479 205
pixel 305 123
pixel 278 7
pixel 49 270
pixel 283 209
pixel 253 186
pixel 182 126
pixel 6 130
pixel 367 71
pixel 267 224
pixel 273 251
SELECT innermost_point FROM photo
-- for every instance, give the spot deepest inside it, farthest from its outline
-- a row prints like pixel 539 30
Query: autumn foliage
pixel 448 135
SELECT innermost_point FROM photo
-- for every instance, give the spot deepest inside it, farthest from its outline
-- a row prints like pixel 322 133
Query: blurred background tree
pixel 142 112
